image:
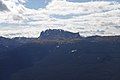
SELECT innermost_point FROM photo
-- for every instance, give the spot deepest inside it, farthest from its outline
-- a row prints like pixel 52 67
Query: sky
pixel 35 4
pixel 27 18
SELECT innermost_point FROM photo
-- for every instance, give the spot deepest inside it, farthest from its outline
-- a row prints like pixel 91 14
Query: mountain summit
pixel 58 34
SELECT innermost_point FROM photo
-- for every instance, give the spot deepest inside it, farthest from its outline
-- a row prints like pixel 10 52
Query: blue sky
pixel 35 4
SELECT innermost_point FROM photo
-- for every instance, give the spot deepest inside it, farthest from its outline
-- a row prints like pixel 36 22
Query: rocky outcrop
pixel 58 34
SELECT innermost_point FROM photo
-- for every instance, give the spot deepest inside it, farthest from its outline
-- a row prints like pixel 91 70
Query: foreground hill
pixel 80 58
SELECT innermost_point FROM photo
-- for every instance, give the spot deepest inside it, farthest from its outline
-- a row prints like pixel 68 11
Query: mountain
pixel 84 58
pixel 58 34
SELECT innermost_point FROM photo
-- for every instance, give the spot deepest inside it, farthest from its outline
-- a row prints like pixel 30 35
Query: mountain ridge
pixel 66 59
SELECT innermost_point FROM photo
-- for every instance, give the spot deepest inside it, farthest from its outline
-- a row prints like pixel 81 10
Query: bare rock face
pixel 58 34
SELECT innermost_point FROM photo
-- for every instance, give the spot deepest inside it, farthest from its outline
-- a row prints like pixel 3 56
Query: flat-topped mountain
pixel 57 34
pixel 68 57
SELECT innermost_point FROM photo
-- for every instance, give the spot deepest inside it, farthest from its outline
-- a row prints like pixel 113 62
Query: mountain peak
pixel 57 34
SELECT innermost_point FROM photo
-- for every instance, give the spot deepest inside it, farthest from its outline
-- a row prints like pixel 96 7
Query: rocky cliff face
pixel 58 34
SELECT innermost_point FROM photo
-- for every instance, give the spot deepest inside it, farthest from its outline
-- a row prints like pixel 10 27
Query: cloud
pixel 88 18
pixel 22 1
pixel 3 7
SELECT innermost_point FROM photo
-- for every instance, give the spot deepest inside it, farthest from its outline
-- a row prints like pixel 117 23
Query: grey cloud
pixel 3 7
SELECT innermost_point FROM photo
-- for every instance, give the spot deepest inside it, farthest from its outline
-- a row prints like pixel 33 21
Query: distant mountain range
pixel 60 55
